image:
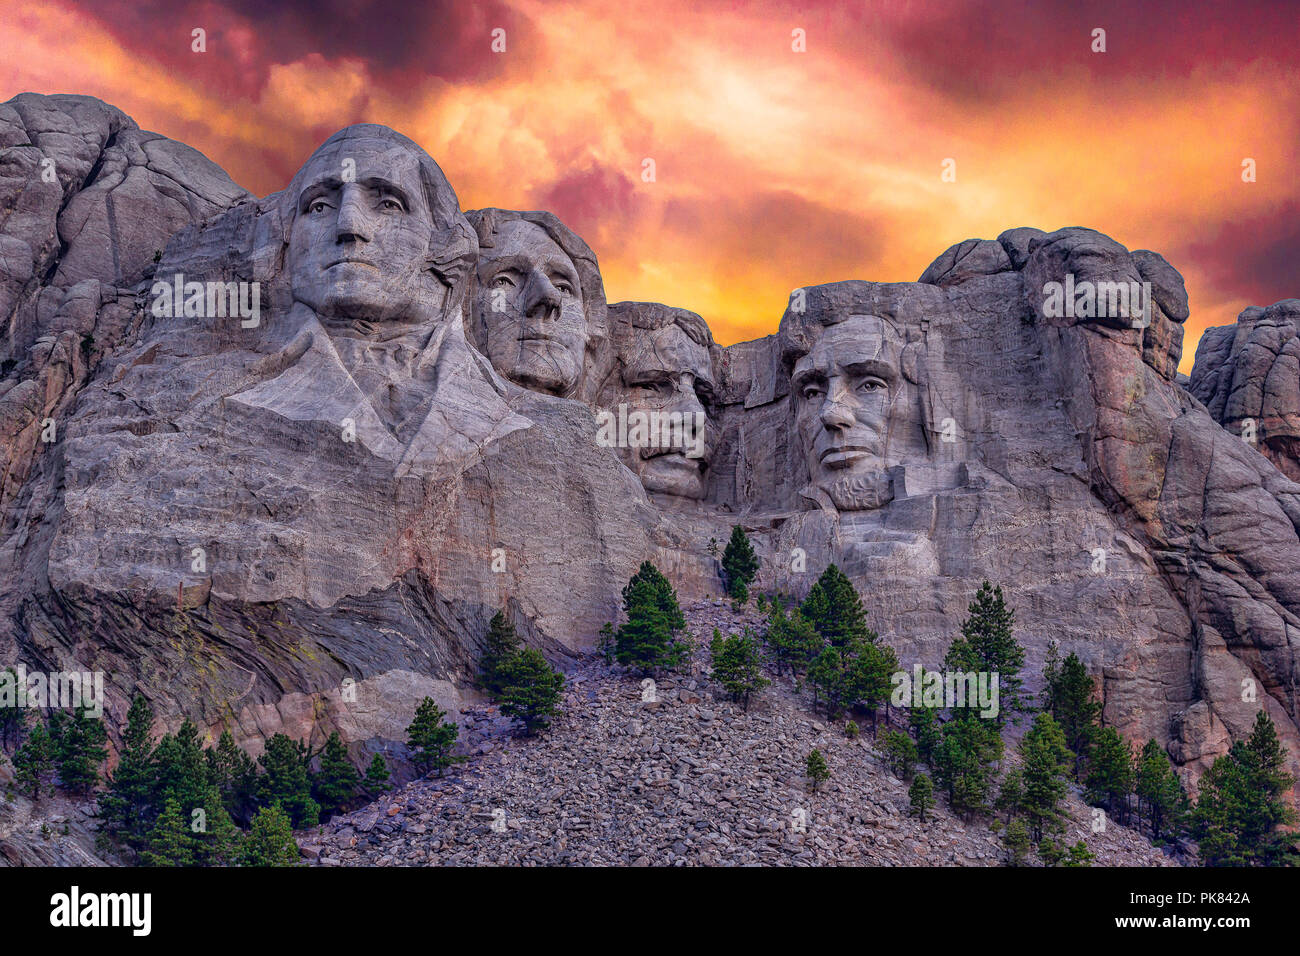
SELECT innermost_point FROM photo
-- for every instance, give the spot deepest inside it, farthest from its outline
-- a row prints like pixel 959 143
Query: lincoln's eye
pixel 871 384
pixel 813 391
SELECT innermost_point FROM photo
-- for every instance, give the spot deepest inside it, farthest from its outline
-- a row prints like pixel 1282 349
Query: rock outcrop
pixel 298 511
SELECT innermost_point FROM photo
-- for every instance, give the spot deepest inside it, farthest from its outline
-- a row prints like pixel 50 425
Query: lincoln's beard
pixel 860 492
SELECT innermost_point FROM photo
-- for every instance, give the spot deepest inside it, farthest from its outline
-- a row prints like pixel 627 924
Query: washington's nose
pixel 541 298
pixel 352 222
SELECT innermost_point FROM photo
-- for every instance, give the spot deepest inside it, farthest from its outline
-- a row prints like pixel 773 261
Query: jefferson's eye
pixel 563 286
pixel 503 281
pixel 389 204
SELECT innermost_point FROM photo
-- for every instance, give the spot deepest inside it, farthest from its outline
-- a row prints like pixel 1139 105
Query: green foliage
pixel 1069 698
pixel 502 645
pixel 1243 802
pixel 1011 796
pixel 926 731
pixel 900 753
pixel 376 780
pixel 270 840
pixel 921 796
pixel 234 773
pixel 835 611
pixel 286 780
pixel 34 762
pixel 851 730
pixel 335 784
pixel 1110 773
pixel 1016 840
pixel 738 665
pixel 79 749
pixel 1055 853
pixel 965 761
pixel 215 838
pixel 739 564
pixel 816 769
pixel 181 769
pixel 169 839
pixel 431 739
pixel 13 719
pixel 1046 761
pixel 648 640
pixel 531 689
pixel 1161 797
pixel 792 638
pixel 125 808
pixel 987 645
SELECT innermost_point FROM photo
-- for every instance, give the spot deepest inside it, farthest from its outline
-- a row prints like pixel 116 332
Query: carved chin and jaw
pixel 542 364
pixel 673 473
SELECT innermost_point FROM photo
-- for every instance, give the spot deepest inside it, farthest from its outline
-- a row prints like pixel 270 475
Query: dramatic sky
pixel 773 168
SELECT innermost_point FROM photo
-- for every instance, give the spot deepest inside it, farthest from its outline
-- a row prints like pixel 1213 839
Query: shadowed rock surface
pixel 366 488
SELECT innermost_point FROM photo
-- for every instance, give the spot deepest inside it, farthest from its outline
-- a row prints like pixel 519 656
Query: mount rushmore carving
pixel 304 523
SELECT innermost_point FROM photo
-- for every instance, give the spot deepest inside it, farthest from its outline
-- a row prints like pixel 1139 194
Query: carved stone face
pixel 359 246
pixel 844 391
pixel 672 373
pixel 529 301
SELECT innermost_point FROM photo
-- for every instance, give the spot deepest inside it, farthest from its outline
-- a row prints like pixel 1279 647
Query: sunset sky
pixel 774 168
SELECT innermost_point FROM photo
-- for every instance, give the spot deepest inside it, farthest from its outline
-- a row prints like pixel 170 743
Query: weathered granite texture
pixel 1248 376
pixel 408 437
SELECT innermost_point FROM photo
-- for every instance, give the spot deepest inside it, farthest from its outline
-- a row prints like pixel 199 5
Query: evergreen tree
pixel 431 739
pixel 739 564
pixel 835 610
pixel 1110 773
pixel 794 641
pixel 181 768
pixel 1016 840
pixel 270 840
pixel 1161 797
pixel 532 690
pixel 214 838
pixel 376 781
pixel 1046 761
pixel 79 749
pixel 826 674
pixel 502 645
pixel 868 669
pixel 648 641
pixel 738 665
pixel 921 796
pixel 1011 795
pixel 234 773
pixel 987 645
pixel 1242 802
pixel 927 732
pixel 34 762
pixel 127 806
pixel 900 753
pixel 965 762
pixel 816 769
pixel 13 719
pixel 169 842
pixel 286 780
pixel 1073 706
pixel 335 784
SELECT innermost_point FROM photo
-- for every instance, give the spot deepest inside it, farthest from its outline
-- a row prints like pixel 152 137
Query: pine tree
pixel 924 722
pixel 1073 707
pixel 921 796
pixel 826 674
pixel 270 840
pixel 79 749
pixel 794 641
pixel 286 780
pixel 234 773
pixel 868 669
pixel 1011 795
pixel 532 690
pixel 816 769
pixel 739 564
pixel 1045 765
pixel 1160 793
pixel 376 781
pixel 502 644
pixel 988 646
pixel 215 839
pixel 900 753
pixel 648 641
pixel 181 770
pixel 431 739
pixel 1016 839
pixel 335 784
pixel 13 719
pixel 1110 773
pixel 34 762
pixel 738 665
pixel 965 763
pixel 835 610
pixel 127 806
pixel 169 842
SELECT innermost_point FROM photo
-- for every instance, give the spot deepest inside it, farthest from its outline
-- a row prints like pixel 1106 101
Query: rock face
pixel 1248 376
pixel 331 431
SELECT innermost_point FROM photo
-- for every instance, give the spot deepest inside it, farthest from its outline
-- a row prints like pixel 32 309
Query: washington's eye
pixel 389 204
pixel 317 206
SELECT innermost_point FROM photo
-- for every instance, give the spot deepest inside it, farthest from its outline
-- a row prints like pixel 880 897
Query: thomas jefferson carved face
pixel 359 246
pixel 530 302
pixel 672 373
pixel 845 390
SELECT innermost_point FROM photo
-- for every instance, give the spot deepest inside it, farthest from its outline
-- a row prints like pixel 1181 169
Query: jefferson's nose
pixel 541 298
pixel 353 224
